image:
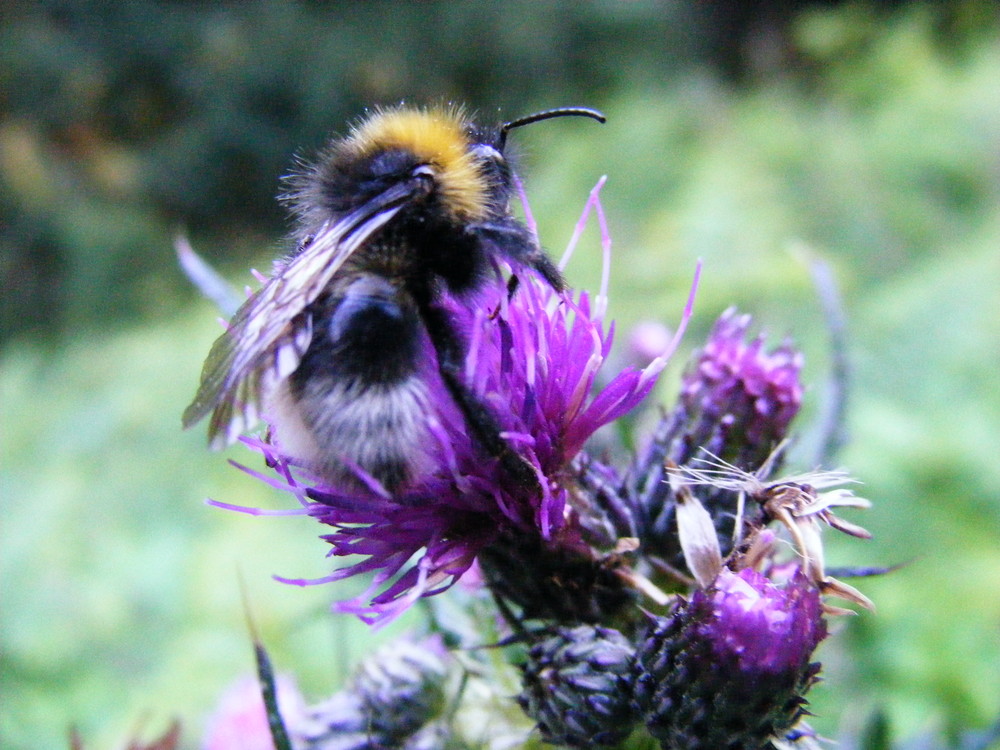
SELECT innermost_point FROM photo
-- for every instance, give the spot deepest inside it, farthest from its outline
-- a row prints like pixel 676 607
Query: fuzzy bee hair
pixel 409 205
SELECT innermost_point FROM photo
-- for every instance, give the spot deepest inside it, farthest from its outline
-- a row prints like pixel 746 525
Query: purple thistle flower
pixel 751 391
pixel 730 667
pixel 533 358
pixel 763 627
pixel 737 401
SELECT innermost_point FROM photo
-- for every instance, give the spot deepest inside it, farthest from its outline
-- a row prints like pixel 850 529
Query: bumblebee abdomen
pixel 359 395
pixel 367 329
pixel 379 429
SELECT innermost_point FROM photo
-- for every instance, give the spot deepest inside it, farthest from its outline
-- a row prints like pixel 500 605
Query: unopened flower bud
pixel 577 686
pixel 393 694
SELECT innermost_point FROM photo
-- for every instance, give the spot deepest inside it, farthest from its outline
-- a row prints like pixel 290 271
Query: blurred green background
pixel 869 133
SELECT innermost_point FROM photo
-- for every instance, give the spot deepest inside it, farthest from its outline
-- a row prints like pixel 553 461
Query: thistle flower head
pixel 730 667
pixel 737 401
pixel 751 394
pixel 533 358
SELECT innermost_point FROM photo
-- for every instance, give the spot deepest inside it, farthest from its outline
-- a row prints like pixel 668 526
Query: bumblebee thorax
pixel 438 138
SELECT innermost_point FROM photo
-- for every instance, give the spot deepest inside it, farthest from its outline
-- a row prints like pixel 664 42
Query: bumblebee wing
pixel 271 331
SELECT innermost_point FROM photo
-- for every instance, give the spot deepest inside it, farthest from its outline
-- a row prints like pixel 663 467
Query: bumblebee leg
pixel 512 284
pixel 511 239
pixel 482 422
pixel 541 263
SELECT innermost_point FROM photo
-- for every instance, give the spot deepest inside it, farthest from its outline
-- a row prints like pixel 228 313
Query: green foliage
pixel 121 591
pixel 125 121
pixel 878 150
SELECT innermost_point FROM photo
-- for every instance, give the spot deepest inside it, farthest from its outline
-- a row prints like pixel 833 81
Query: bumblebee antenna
pixel 547 114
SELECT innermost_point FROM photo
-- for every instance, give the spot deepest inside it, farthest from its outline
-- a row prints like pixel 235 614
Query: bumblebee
pixel 411 204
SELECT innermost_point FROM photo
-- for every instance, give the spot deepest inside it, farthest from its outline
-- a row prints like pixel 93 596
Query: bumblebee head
pixel 436 156
pixel 429 154
pixel 438 144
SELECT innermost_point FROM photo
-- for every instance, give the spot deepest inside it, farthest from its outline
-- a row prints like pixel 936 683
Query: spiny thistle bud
pixel 392 695
pixel 401 686
pixel 729 668
pixel 338 723
pixel 577 687
pixel 604 513
pixel 737 401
